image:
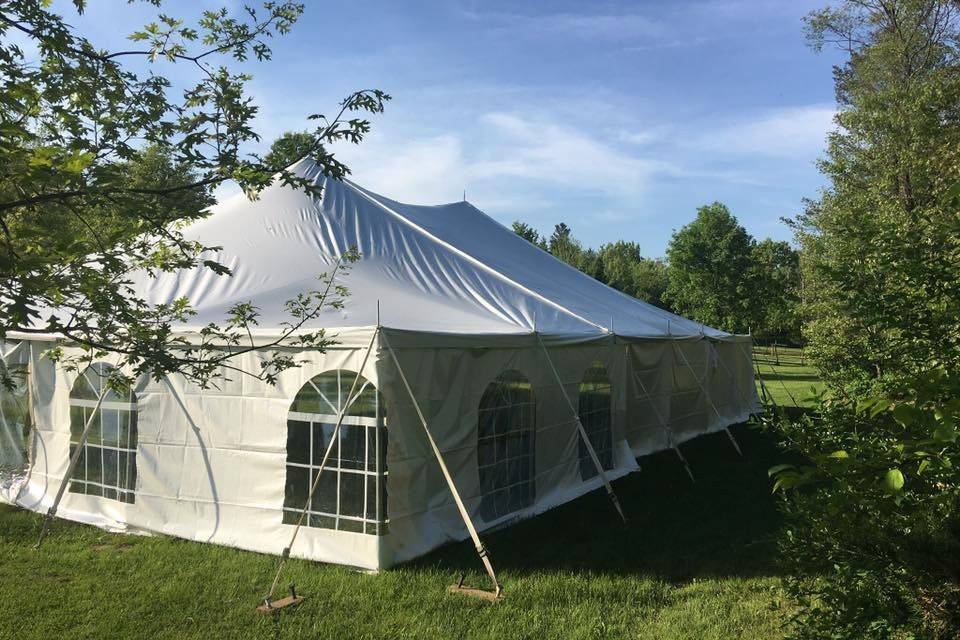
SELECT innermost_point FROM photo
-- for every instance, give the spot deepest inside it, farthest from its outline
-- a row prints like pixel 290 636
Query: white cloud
pixel 786 132
pixel 502 154
pixel 605 26
pixel 423 171
pixel 642 137
pixel 560 154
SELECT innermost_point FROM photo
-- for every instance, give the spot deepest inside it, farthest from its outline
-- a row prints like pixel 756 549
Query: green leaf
pixel 879 406
pixel 78 162
pixel 946 432
pixel 780 468
pixel 893 481
pixel 43 156
pixel 952 194
pixel 905 414
pixel 840 455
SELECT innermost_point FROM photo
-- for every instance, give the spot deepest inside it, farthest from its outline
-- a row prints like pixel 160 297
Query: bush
pixel 872 536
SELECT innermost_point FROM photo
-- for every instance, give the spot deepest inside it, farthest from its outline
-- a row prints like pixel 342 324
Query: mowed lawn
pixel 789 378
pixel 696 560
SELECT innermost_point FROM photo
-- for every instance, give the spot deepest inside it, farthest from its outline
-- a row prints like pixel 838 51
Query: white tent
pixel 471 327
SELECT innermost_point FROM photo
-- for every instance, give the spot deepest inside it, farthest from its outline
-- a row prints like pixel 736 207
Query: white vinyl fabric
pixel 14 420
pixel 462 300
pixel 438 269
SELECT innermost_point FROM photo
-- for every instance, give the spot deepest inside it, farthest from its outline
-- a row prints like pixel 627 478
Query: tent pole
pixel 766 397
pixel 706 395
pixel 471 529
pixel 666 428
pixel 285 555
pixel 583 433
pixel 52 511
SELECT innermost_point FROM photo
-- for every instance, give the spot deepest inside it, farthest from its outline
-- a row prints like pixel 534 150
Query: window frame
pixel 124 487
pixel 605 454
pixel 491 479
pixel 371 521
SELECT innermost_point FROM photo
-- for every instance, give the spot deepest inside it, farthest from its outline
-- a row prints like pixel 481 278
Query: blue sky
pixel 618 118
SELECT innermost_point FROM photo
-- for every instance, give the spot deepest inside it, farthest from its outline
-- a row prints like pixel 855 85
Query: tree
pixel 78 211
pixel 628 271
pixel 775 289
pixel 650 281
pixel 620 259
pixel 873 540
pixel 880 248
pixel 710 260
pixel 289 148
pixel 563 246
pixel 529 234
pixel 590 262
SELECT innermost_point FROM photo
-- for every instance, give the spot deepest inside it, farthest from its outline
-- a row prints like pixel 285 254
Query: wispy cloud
pixel 502 148
pixel 787 132
pixel 423 171
pixel 606 26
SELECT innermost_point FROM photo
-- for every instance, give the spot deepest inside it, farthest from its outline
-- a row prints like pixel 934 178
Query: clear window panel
pixel 298 442
pixel 353 447
pixel 351 493
pixel 106 465
pixel 325 496
pixel 297 487
pixel 595 410
pixel 506 424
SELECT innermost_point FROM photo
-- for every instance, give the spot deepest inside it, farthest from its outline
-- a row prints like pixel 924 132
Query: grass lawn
pixel 788 377
pixel 695 561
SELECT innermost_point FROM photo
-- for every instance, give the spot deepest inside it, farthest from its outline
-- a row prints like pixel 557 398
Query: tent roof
pixel 439 269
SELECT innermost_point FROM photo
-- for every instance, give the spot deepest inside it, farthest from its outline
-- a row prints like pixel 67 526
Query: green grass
pixel 695 561
pixel 789 378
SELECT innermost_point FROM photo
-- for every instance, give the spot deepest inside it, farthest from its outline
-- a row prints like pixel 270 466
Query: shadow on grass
pixel 721 526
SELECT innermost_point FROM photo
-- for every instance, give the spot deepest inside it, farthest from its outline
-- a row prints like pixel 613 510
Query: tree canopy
pixel 873 539
pixel 290 147
pixel 763 284
pixel 881 246
pixel 710 264
pixel 104 164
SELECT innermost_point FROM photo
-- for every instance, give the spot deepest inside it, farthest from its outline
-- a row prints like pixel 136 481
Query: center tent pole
pixel 583 433
pixel 323 463
pixel 471 529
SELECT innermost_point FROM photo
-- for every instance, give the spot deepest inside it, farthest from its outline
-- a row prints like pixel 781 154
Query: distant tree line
pixel 714 272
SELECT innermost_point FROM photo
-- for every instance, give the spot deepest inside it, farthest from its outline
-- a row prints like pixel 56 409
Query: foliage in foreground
pixel 873 535
pixel 873 526
pixel 78 221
